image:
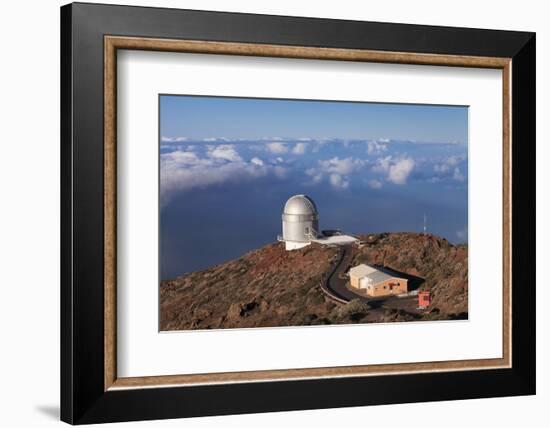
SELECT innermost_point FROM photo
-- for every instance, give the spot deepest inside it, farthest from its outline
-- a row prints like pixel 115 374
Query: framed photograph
pixel 266 213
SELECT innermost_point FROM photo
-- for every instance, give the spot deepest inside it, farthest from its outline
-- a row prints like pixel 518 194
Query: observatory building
pixel 300 222
pixel 301 225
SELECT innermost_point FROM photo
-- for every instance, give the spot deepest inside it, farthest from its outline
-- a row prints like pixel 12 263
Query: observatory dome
pixel 300 205
pixel 300 222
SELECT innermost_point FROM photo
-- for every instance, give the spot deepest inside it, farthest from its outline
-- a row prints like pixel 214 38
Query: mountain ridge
pixel 271 287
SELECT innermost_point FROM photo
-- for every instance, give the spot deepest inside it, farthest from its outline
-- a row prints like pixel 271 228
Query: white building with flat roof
pixel 375 282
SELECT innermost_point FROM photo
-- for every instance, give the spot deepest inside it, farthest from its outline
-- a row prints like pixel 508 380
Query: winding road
pixel 335 286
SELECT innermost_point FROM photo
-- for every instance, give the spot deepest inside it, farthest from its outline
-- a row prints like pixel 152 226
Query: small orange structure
pixel 424 299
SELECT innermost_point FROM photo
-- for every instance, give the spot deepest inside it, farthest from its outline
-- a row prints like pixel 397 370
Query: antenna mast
pixel 424 223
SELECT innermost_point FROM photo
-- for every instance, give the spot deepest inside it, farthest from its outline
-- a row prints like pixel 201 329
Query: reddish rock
pixel 273 287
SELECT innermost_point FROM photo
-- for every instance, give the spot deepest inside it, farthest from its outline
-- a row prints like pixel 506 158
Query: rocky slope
pixel 434 264
pixel 272 287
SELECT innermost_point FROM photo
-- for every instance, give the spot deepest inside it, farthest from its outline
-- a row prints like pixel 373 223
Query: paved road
pixel 336 286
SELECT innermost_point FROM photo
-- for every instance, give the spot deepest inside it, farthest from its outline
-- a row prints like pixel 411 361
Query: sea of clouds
pixel 339 164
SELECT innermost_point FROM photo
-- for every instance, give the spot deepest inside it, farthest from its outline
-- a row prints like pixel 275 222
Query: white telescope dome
pixel 300 222
pixel 300 205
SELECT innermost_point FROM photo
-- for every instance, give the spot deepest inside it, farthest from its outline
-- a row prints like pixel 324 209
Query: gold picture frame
pixel 114 43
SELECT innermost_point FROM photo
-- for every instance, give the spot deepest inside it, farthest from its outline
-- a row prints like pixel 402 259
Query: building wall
pixel 297 227
pixel 400 286
pixel 389 287
pixel 354 281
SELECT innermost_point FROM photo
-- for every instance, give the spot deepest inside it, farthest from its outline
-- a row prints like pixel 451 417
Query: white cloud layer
pixel 315 175
pixel 376 148
pixel 193 164
pixel 448 168
pixel 299 148
pixel 400 171
pixel 337 170
pixel 184 170
pixel 341 166
pixel 277 147
pixel 336 180
pixel 173 139
pixel 224 151
pixel 257 161
pixel 397 170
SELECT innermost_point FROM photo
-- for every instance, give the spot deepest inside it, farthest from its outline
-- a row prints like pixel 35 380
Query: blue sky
pixel 210 117
pixel 229 164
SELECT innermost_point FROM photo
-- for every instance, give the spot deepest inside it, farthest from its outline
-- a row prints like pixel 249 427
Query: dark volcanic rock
pixel 273 287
